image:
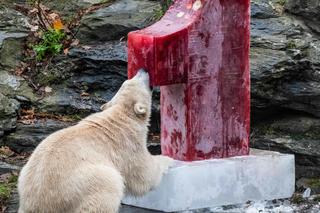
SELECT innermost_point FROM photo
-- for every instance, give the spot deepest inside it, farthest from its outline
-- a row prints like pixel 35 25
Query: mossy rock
pixel 5 191
pixel 297 199
pixel 7 186
pixel 11 51
pixel 312 183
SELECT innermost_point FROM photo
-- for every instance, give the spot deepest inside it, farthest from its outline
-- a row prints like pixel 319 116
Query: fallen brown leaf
pixel 6 151
pixel 85 94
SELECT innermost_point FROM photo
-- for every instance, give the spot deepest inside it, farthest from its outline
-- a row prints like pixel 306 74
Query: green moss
pixel 291 44
pixel 7 187
pixel 313 135
pixel 104 1
pixel 159 12
pixel 74 117
pixel 314 183
pixel 33 2
pixel 5 191
pixel 166 4
pixel 47 78
pixel 297 199
pixel 268 129
pixel 265 129
pixel 13 179
pixel 281 2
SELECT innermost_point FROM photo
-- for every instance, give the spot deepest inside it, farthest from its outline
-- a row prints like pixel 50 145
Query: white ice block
pixel 263 175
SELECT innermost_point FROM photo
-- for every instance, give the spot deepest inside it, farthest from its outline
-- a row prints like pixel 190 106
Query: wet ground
pixel 300 205
pixel 279 206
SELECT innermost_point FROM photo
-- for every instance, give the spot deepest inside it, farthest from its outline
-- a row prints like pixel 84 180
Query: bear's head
pixel 134 96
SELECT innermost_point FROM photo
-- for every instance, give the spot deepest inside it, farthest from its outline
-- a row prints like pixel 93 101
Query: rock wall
pixel 285 74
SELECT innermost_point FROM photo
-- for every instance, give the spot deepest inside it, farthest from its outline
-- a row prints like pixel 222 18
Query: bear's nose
pixel 143 76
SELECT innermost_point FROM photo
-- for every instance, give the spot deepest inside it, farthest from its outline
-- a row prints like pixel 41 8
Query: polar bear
pixel 90 166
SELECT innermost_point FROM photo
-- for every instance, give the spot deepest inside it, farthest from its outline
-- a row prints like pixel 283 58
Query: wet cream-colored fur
pixel 90 166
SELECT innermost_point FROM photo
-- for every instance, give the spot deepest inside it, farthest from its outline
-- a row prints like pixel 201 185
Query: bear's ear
pixel 140 109
pixel 105 106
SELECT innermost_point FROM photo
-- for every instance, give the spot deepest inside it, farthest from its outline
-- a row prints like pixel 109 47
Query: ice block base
pixel 263 175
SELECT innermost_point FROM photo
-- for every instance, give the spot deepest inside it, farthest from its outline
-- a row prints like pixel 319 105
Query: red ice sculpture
pixel 198 54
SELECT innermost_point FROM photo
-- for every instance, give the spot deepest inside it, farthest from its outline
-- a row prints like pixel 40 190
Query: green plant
pixel 159 12
pixel 5 191
pixel 50 44
pixel 166 4
pixel 7 187
pixel 281 2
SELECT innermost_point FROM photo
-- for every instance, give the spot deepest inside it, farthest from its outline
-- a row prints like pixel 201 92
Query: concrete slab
pixel 263 175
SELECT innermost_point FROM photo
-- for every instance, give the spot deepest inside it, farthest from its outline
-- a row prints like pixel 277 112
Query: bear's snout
pixel 143 76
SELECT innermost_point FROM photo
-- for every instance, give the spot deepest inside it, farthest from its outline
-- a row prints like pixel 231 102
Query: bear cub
pixel 89 167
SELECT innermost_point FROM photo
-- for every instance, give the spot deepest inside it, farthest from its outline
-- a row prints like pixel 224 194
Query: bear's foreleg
pixel 147 175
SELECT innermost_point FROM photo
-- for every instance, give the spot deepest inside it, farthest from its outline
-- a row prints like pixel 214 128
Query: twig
pixel 40 16
pixel 44 15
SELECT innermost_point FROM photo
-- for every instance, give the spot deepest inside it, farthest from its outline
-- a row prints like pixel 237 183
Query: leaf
pixel 56 48
pixel 56 21
pixel 85 94
pixel 75 42
pixel 57 24
pixel 6 151
pixel 48 89
pixel 86 47
pixel 34 28
pixel 66 51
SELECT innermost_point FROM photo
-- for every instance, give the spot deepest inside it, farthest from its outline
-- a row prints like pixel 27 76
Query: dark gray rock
pixel 6 168
pixel 117 20
pixel 16 87
pixel 308 10
pixel 262 9
pixel 284 63
pixel 97 71
pixel 294 134
pixel 306 152
pixel 8 115
pixel 13 203
pixel 28 136
pixel 298 124
pixel 14 28
pixel 13 31
pixel 85 79
pixel 69 8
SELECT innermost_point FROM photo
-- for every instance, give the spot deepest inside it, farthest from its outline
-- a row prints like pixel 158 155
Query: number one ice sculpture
pixel 198 54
